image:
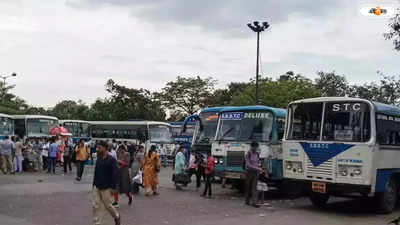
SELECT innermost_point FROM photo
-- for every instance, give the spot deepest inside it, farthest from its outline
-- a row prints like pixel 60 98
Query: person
pixel 67 156
pixel 37 155
pixel 52 159
pixel 194 162
pixel 179 166
pixel 82 154
pixel 104 184
pixel 111 150
pixel 123 178
pixel 19 158
pixel 45 153
pixel 137 163
pixel 252 162
pixel 209 173
pixel 151 167
pixel 6 155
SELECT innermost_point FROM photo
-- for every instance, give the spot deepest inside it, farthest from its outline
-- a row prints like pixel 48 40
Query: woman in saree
pixel 151 167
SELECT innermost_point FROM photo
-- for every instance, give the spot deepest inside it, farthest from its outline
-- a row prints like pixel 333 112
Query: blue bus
pixel 6 126
pixel 237 128
pixel 206 126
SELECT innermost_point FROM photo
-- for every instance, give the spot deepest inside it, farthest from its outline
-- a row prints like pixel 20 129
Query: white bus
pixel 6 126
pixel 34 125
pixel 343 146
pixel 139 132
pixel 78 128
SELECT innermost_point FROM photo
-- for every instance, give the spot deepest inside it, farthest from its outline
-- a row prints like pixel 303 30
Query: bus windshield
pixel 160 134
pixel 6 126
pixel 246 126
pixel 39 127
pixel 344 121
pixel 209 122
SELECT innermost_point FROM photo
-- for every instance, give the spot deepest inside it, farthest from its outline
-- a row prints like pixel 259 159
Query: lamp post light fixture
pixel 258 28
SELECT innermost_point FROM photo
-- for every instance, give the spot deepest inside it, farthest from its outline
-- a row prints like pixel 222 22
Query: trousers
pixel 102 199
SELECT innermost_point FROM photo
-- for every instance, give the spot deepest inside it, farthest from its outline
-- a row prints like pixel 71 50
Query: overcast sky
pixel 67 49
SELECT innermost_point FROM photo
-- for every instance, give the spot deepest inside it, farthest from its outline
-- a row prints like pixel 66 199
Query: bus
pixel 204 132
pixel 137 132
pixel 6 126
pixel 29 126
pixel 336 146
pixel 237 128
pixel 78 128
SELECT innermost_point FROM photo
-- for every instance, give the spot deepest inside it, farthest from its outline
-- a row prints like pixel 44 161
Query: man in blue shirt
pixel 6 155
pixel 253 170
pixel 52 159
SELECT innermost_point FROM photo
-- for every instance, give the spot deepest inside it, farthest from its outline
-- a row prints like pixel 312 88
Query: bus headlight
pixel 221 161
pixel 216 161
pixel 357 172
pixel 289 165
pixel 343 170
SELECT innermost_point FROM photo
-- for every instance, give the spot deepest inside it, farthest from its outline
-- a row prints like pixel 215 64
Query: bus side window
pixel 388 130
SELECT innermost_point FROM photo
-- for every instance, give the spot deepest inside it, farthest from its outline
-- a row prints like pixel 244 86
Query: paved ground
pixel 40 199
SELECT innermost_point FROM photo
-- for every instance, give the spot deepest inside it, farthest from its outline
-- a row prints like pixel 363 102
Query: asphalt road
pixel 41 199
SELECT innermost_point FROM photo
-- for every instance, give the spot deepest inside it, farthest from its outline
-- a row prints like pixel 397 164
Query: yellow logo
pixel 378 11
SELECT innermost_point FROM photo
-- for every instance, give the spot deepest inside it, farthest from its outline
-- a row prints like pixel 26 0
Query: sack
pixel 261 186
pixel 138 178
pixel 181 178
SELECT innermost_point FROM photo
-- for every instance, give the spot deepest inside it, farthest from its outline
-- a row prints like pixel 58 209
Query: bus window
pixel 305 121
pixel 388 130
pixel 347 122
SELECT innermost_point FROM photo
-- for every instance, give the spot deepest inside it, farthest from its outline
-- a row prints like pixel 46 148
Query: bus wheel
pixel 318 199
pixel 386 201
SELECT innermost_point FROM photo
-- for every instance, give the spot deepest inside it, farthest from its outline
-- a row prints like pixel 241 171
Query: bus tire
pixel 386 201
pixel 319 200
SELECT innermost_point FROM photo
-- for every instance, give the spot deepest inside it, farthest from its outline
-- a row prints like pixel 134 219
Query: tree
pixel 69 109
pixel 187 95
pixel 224 97
pixel 278 93
pixel 129 103
pixel 394 31
pixel 10 103
pixel 331 84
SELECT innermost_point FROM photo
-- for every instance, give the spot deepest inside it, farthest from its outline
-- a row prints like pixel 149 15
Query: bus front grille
pixel 235 158
pixel 323 171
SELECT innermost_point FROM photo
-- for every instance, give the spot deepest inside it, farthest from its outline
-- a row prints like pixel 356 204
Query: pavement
pixel 42 199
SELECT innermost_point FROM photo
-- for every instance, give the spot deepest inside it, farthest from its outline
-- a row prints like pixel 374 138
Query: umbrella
pixel 59 130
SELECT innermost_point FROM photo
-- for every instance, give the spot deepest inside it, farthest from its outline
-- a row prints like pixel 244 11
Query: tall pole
pixel 258 28
pixel 257 65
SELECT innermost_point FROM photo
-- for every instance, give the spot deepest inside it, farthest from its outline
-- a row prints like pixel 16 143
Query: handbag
pixel 182 178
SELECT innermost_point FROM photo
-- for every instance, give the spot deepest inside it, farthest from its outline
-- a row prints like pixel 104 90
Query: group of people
pixel 41 154
pixel 196 165
pixel 115 166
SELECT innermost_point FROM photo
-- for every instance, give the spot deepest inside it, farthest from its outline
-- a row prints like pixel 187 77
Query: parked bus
pixel 237 128
pixel 138 132
pixel 78 128
pixel 6 126
pixel 33 125
pixel 206 126
pixel 342 146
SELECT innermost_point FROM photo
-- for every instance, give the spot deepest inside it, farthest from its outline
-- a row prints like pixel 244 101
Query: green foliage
pixel 331 84
pixel 277 93
pixel 69 109
pixel 394 31
pixel 187 95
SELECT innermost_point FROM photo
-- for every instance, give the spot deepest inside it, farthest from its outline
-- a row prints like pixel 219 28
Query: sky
pixel 68 49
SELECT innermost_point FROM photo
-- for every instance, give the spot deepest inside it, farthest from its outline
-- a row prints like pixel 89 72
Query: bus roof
pixel 34 117
pixel 379 107
pixel 214 109
pixel 278 112
pixel 73 121
pixel 128 123
pixel 5 115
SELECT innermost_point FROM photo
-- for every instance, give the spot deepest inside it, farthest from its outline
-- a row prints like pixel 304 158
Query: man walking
pixel 104 184
pixel 19 147
pixel 253 170
pixel 37 154
pixel 6 155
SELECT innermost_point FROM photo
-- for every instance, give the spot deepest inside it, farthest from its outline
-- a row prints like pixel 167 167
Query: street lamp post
pixel 256 27
pixel 4 84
